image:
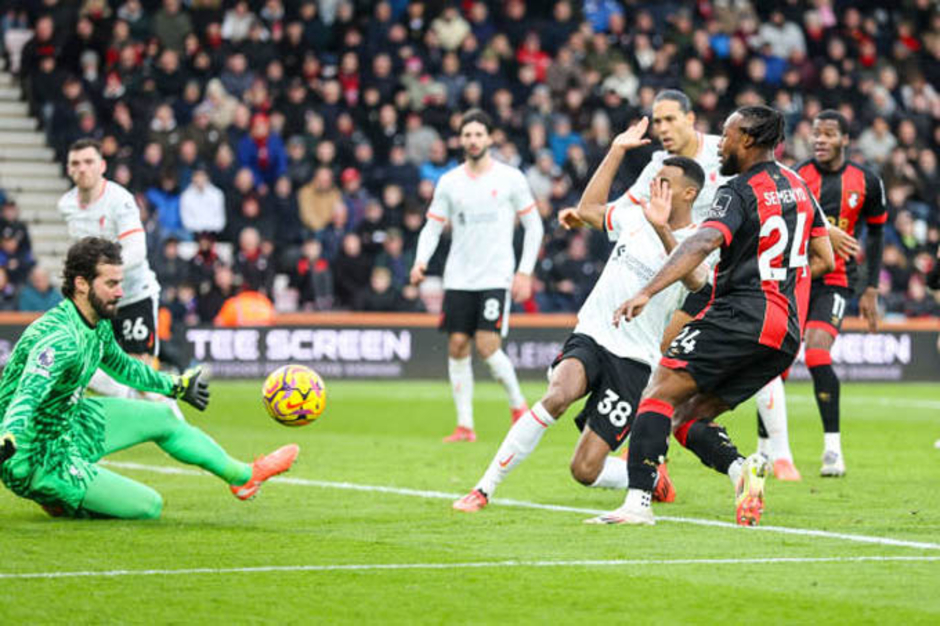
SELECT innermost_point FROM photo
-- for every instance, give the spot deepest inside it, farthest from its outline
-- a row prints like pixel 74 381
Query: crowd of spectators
pixel 24 286
pixel 309 135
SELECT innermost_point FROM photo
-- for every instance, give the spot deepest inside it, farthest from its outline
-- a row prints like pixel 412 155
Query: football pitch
pixel 362 529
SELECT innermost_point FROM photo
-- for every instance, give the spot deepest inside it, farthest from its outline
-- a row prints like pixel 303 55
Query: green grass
pixel 389 434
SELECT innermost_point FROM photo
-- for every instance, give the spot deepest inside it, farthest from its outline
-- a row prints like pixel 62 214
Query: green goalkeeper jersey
pixel 47 373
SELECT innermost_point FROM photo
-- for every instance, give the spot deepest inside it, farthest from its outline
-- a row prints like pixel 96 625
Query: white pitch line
pixel 440 495
pixel 365 567
pixel 868 401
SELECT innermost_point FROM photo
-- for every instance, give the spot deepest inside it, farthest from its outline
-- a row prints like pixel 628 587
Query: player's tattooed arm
pixel 592 207
pixel 687 257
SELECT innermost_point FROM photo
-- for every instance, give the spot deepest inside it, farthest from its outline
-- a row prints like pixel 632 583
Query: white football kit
pixel 113 215
pixel 637 255
pixel 482 211
pixel 707 157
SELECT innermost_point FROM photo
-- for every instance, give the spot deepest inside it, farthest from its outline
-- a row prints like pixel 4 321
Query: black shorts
pixel 614 384
pixel 827 307
pixel 724 363
pixel 696 301
pixel 469 311
pixel 135 327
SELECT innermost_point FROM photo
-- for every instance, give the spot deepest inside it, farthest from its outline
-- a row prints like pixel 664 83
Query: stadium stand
pixel 292 147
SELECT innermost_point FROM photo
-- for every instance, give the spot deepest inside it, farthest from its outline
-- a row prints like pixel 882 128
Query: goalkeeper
pixel 51 436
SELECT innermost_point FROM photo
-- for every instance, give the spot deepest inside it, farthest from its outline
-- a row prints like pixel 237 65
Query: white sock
pixel 833 442
pixel 461 384
pixel 518 444
pixel 638 499
pixel 613 475
pixel 174 405
pixel 772 406
pixel 502 370
pixel 763 446
pixel 105 385
pixel 734 472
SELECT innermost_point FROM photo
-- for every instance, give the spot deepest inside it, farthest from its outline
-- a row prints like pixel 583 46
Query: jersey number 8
pixel 491 309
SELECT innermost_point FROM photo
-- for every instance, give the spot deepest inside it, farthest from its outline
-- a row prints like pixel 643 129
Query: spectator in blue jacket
pixel 165 202
pixel 263 151
pixel 38 294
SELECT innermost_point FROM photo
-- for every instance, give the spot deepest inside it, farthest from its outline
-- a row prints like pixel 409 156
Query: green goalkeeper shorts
pixel 56 473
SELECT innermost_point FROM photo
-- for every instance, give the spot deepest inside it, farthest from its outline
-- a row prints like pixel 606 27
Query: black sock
pixel 761 429
pixel 712 445
pixel 826 387
pixel 649 440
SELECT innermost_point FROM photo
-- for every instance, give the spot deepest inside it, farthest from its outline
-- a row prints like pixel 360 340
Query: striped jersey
pixel 767 216
pixel 846 195
pixel 113 215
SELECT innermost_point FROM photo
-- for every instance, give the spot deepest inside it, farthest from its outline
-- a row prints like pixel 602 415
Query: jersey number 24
pixel 772 255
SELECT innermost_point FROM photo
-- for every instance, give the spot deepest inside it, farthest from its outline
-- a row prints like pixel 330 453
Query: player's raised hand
pixel 192 388
pixel 631 308
pixel 632 137
pixel 843 244
pixel 417 273
pixel 570 218
pixel 659 207
pixel 521 287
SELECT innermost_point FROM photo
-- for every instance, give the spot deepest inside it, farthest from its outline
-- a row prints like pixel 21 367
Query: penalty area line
pixel 440 495
pixel 366 567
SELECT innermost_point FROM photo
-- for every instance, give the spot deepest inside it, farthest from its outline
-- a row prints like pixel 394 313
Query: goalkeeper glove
pixel 7 447
pixel 192 389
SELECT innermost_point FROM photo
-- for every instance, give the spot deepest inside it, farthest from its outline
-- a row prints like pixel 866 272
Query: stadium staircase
pixel 30 175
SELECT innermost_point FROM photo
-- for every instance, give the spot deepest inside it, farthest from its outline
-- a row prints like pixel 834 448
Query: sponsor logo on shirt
pixel 465 218
pixel 631 263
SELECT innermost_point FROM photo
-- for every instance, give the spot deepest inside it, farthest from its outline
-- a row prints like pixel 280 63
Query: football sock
pixel 649 441
pixel 833 442
pixel 826 387
pixel 712 445
pixel 518 444
pixel 763 440
pixel 772 415
pixel 131 422
pixel 734 472
pixel 502 370
pixel 461 384
pixel 613 475
pixel 638 499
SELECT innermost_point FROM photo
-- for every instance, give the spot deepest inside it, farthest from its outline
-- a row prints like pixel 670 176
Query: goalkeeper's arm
pixel 190 387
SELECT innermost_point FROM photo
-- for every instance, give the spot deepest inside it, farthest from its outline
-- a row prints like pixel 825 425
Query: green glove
pixel 191 388
pixel 7 447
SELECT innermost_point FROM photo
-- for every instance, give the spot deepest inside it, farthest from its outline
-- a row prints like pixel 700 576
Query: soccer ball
pixel 294 395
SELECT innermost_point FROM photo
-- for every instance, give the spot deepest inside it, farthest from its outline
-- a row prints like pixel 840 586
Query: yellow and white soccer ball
pixel 294 395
